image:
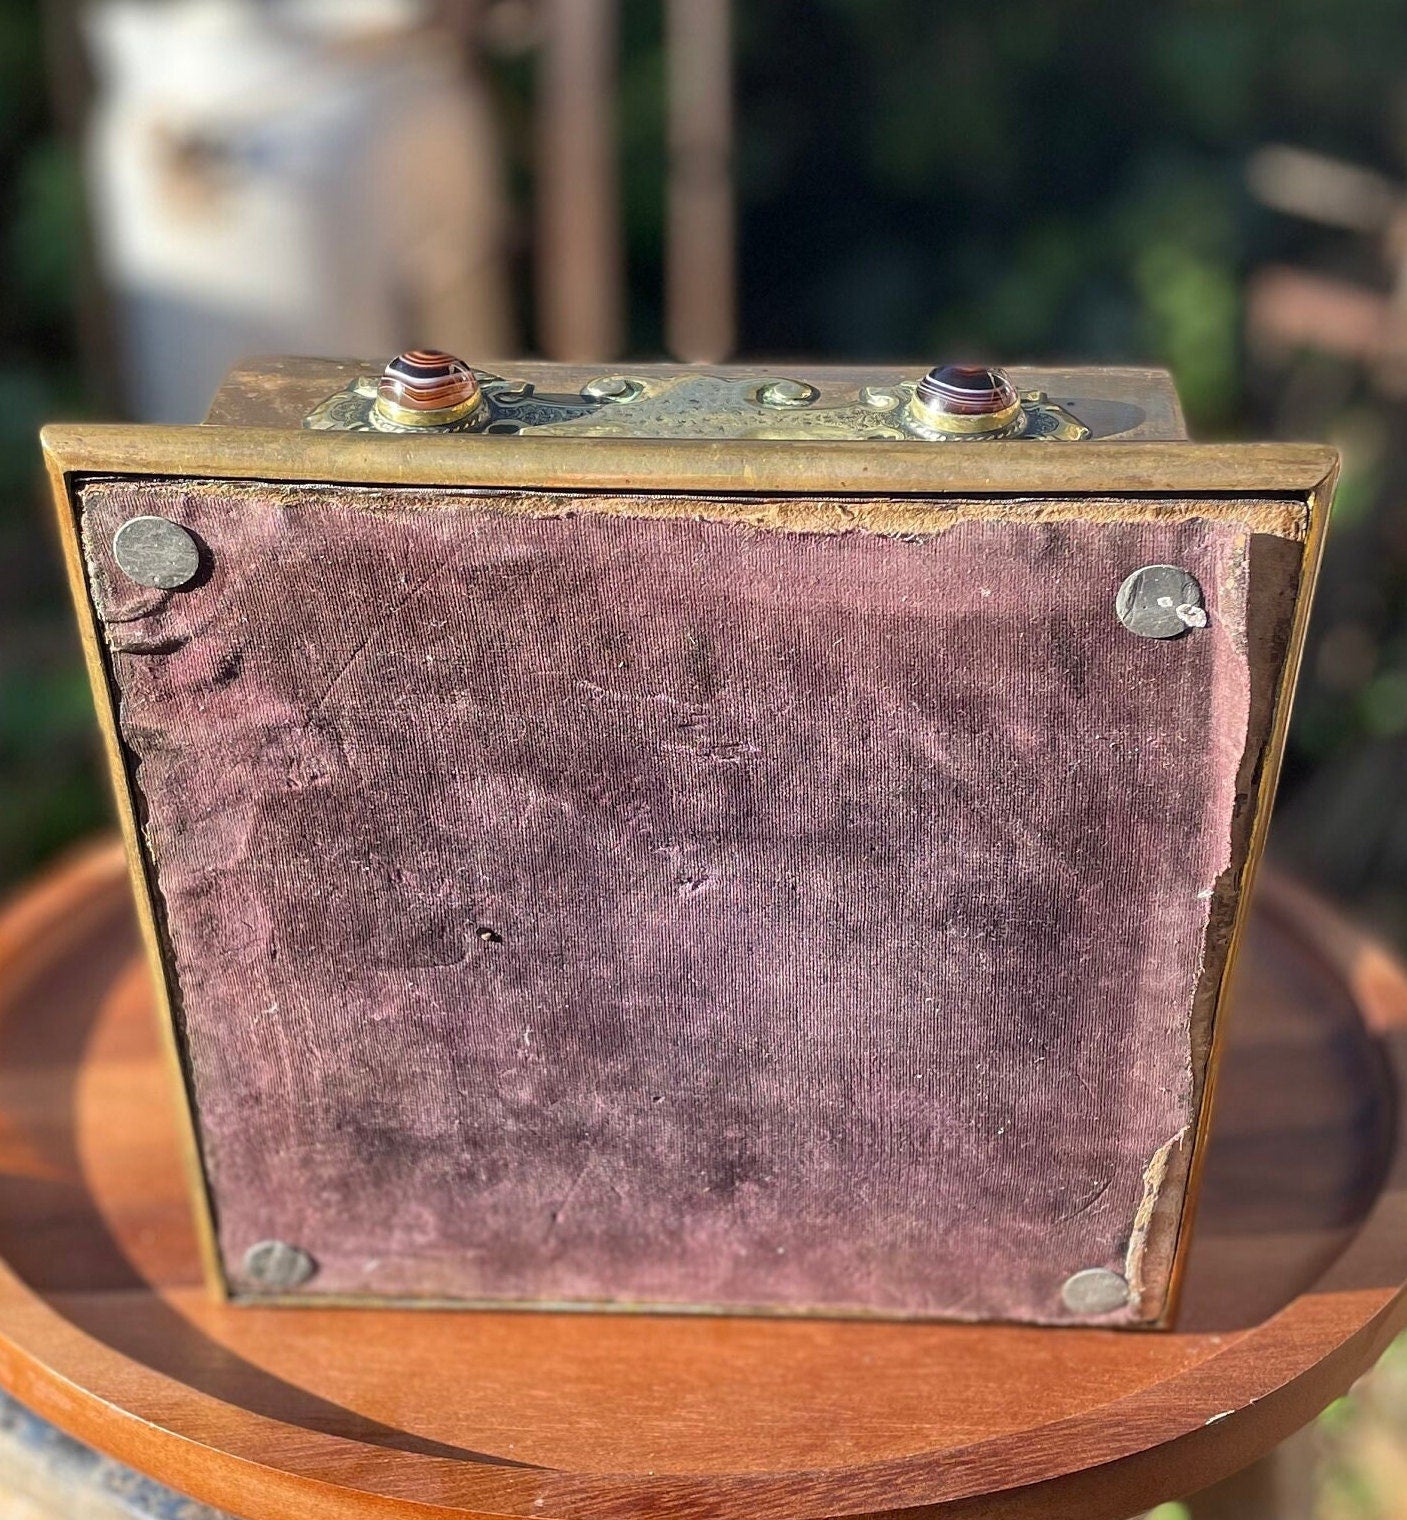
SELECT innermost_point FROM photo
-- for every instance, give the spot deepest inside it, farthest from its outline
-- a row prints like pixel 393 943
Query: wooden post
pixel 580 270
pixel 700 304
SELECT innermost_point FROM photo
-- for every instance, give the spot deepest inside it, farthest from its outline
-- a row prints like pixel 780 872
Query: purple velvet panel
pixel 603 908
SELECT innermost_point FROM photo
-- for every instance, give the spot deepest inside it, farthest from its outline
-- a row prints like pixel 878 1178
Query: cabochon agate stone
pixel 426 388
pixel 966 391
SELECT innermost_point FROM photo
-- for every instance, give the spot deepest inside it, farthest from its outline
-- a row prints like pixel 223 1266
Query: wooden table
pixel 1295 1287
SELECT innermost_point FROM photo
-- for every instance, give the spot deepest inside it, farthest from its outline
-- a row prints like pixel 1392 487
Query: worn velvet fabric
pixel 587 907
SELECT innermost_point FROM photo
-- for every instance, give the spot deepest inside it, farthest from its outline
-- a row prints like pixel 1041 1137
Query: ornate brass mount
pixel 703 406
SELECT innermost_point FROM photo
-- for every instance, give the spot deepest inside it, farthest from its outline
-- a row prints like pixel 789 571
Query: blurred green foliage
pixel 1360 1472
pixel 49 788
pixel 1043 179
pixel 1036 178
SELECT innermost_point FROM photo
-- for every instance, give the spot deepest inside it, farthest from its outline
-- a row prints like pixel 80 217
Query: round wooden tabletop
pixel 1294 1288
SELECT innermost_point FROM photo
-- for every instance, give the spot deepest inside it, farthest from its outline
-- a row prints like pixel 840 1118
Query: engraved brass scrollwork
pixel 692 406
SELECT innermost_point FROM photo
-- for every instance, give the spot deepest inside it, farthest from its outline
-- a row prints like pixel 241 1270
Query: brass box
pixel 705 842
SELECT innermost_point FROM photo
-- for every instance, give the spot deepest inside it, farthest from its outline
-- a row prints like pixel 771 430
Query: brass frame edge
pixel 1319 505
pixel 627 1306
pixel 139 869
pixel 522 462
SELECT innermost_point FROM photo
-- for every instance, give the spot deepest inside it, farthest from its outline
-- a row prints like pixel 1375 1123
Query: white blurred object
pixel 1323 189
pixel 292 176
